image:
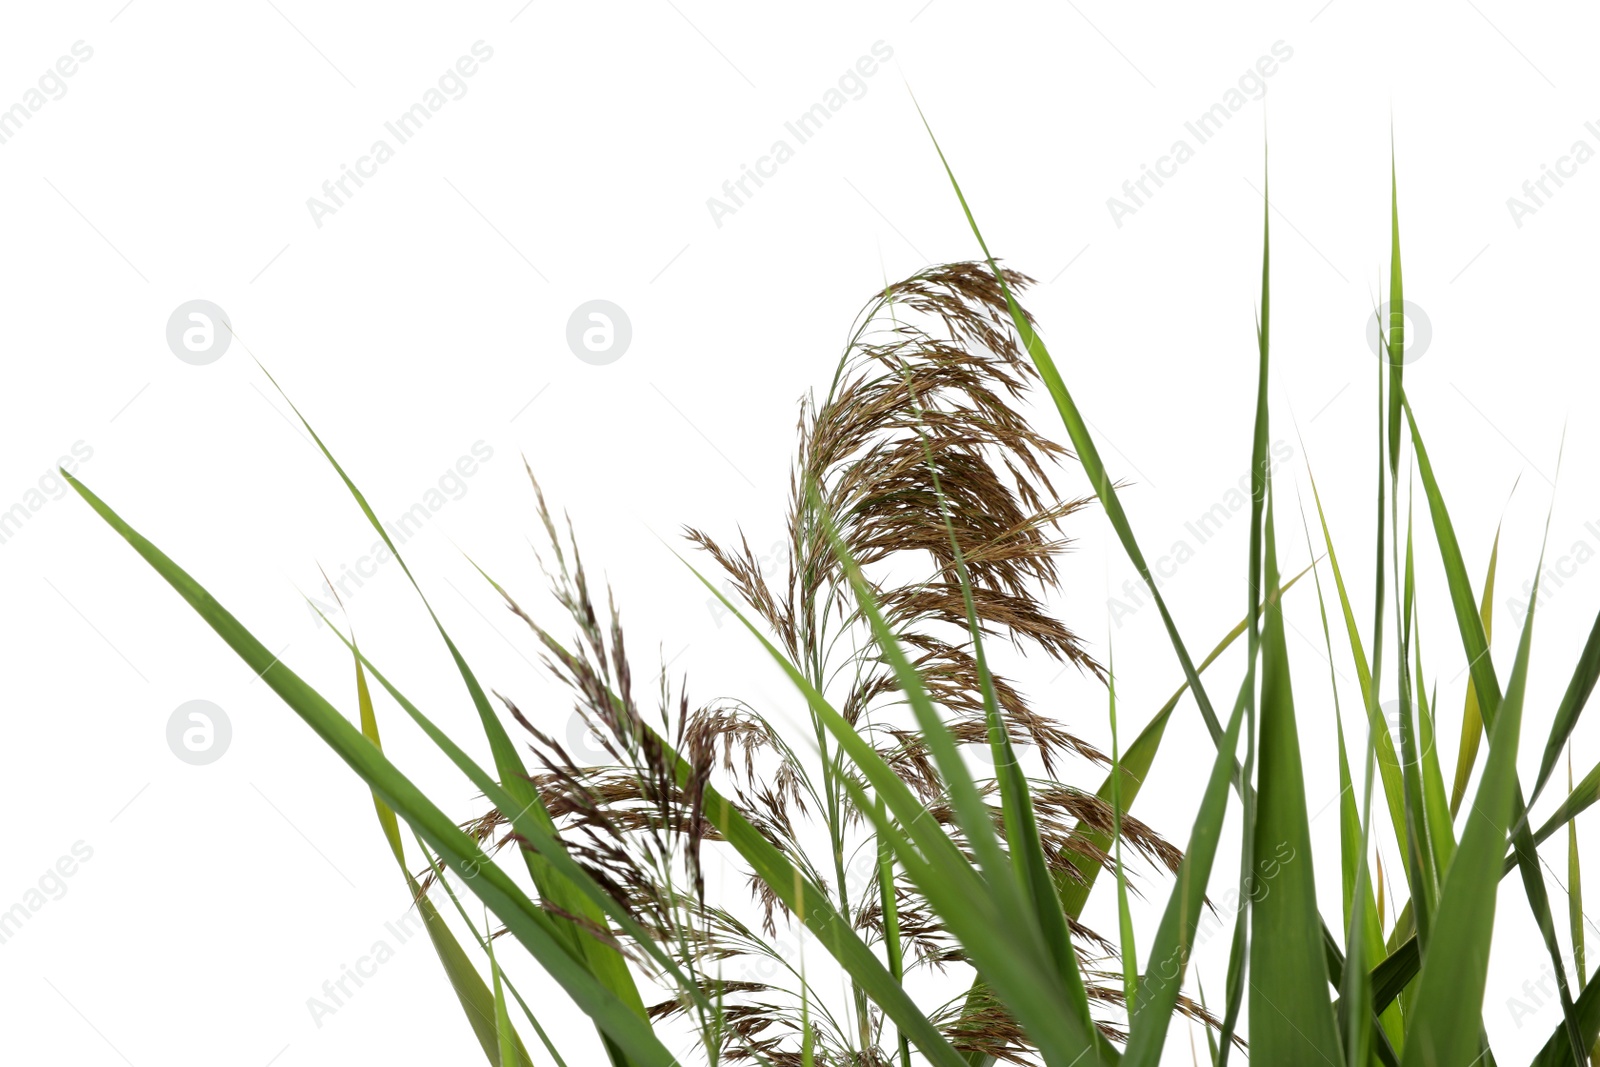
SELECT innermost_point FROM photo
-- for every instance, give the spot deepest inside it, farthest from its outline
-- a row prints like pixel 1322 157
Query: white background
pixel 429 313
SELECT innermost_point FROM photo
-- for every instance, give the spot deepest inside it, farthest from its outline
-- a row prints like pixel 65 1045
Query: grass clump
pixel 934 879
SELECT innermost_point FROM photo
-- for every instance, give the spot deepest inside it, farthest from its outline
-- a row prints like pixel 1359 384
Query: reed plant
pixel 935 879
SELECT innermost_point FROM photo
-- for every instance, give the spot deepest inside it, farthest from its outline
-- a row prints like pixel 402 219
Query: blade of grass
pixel 1023 839
pixel 888 902
pixel 1363 930
pixel 1024 881
pixel 1003 948
pixel 1088 454
pixel 502 1020
pixel 1388 449
pixel 476 1001
pixel 438 865
pixel 1575 916
pixel 1441 830
pixel 1237 958
pixel 1175 938
pixel 1394 973
pixel 1125 947
pixel 1420 872
pixel 512 773
pixel 793 889
pixel 527 922
pixel 1444 1027
pixel 1291 1016
pixel 1089 458
pixel 802 896
pixel 1134 769
pixel 1388 761
pixel 1573 701
pixel 1580 799
pixel 1490 699
pixel 1129 777
pixel 1471 717
pixel 1211 1039
pixel 539 837
pixel 1396 347
pixel 1557 1052
pixel 1244 926
pixel 1575 923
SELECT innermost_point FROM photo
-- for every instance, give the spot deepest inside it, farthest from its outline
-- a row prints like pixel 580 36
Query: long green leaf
pixel 802 896
pixel 1088 454
pixel 1133 771
pixel 1557 1051
pixel 1441 830
pixel 605 959
pixel 1579 799
pixel 1023 840
pixel 1388 761
pixel 483 943
pixel 526 921
pixel 1237 961
pixel 1175 938
pixel 1575 923
pixel 508 1051
pixel 1475 643
pixel 1573 701
pixel 1421 873
pixel 1444 1027
pixel 481 1007
pixel 1471 717
pixel 1025 981
pixel 1291 1016
pixel 1030 880
pixel 1363 933
pixel 1089 459
pixel 1125 943
pixel 541 838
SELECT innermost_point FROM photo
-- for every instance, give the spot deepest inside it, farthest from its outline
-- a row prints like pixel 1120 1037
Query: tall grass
pixel 922 526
